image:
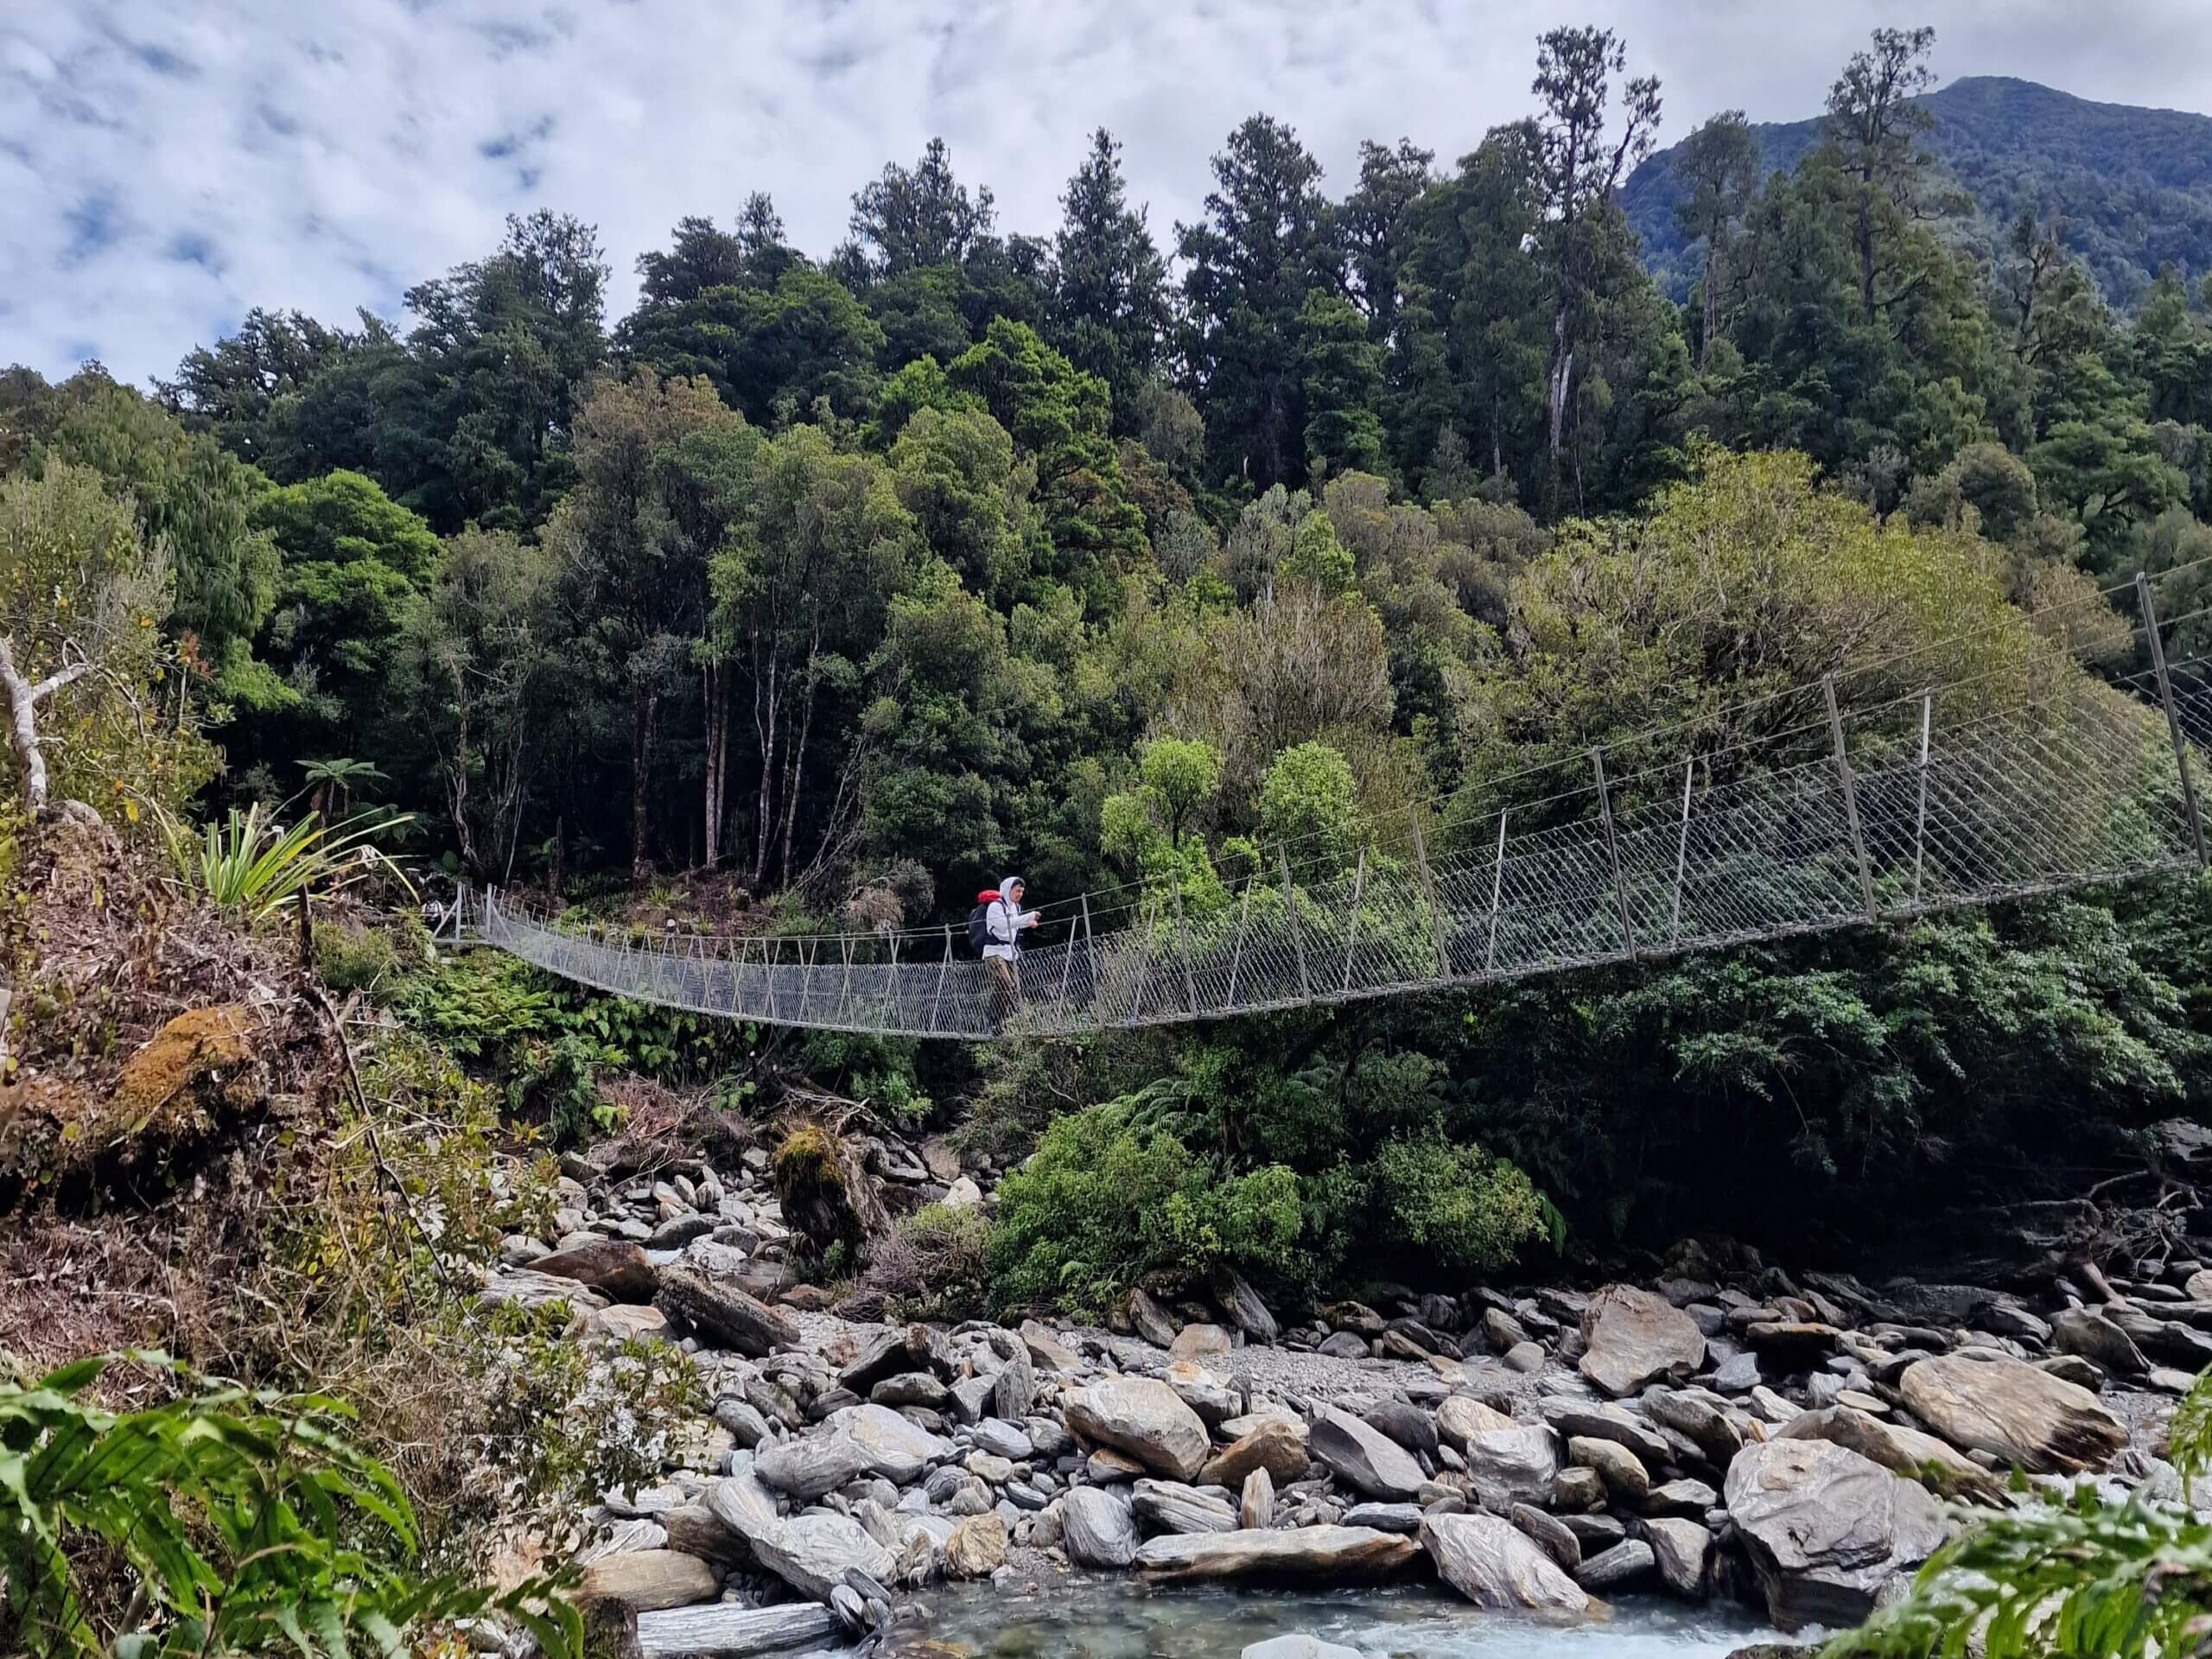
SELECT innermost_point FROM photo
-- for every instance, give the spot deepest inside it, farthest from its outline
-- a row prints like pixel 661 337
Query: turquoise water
pixel 1108 1619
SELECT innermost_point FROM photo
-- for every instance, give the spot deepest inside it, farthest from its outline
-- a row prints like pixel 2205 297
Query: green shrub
pixel 350 958
pixel 239 1521
pixel 1101 1206
pixel 1469 1211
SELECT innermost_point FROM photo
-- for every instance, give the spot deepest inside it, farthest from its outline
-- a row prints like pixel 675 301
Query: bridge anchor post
pixel 1850 801
pixel 1297 939
pixel 1682 851
pixel 1920 811
pixel 1428 893
pixel 2173 719
pixel 1613 854
pixel 1183 938
pixel 1497 893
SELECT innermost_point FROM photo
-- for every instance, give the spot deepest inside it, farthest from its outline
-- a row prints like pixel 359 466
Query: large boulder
pixel 1699 1418
pixel 1494 1564
pixel 1047 1350
pixel 1275 1444
pixel 1143 1417
pixel 893 1353
pixel 722 1314
pixel 741 1503
pixel 978 1547
pixel 1460 1416
pixel 1825 1528
pixel 645 1580
pixel 2013 1410
pixel 867 1439
pixel 1620 1564
pixel 901 1449
pixel 1098 1528
pixel 805 1466
pixel 1315 1555
pixel 1215 1401
pixel 730 1630
pixel 1626 1478
pixel 1512 1465
pixel 1634 1338
pixel 1603 1420
pixel 1200 1342
pixel 1936 1465
pixel 1683 1550
pixel 1170 1506
pixel 1149 1320
pixel 812 1552
pixel 1248 1313
pixel 615 1268
pixel 1364 1458
pixel 2085 1331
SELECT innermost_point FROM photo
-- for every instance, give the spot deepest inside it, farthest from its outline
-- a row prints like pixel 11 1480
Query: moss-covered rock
pixel 827 1195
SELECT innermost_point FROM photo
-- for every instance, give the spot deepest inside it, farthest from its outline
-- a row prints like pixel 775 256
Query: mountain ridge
pixel 2133 183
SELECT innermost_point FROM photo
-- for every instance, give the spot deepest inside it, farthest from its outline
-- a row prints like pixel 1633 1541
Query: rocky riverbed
pixel 1727 1433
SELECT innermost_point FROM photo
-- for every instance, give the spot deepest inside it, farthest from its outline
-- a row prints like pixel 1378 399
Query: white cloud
pixel 163 168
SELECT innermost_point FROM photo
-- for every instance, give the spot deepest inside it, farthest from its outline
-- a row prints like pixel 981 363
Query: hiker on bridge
pixel 1004 922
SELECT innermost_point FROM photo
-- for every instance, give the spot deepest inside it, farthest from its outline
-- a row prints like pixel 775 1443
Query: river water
pixel 1115 1618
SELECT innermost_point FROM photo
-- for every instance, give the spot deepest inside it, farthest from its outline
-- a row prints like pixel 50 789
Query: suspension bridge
pixel 1876 795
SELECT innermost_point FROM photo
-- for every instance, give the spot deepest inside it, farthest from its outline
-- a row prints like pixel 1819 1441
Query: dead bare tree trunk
pixel 766 709
pixel 23 699
pixel 717 690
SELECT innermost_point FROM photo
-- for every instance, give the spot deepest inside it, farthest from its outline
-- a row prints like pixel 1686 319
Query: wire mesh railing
pixel 2024 777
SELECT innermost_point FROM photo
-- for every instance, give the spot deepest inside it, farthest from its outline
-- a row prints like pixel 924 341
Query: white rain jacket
pixel 1004 924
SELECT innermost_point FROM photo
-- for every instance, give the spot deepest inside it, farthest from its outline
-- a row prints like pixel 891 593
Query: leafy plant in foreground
pixel 246 1521
pixel 2076 1577
pixel 251 864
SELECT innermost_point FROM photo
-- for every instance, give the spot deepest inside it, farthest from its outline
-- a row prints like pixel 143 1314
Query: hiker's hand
pixel 1030 920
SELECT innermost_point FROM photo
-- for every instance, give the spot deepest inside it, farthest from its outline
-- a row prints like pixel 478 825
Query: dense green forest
pixel 2127 191
pixel 819 592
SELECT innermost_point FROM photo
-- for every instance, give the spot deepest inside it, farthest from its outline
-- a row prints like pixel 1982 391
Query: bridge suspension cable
pixel 1798 813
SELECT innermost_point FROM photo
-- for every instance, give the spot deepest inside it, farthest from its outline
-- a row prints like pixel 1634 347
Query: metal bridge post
pixel 1243 921
pixel 1497 892
pixel 1090 949
pixel 1682 850
pixel 1351 924
pixel 1613 851
pixel 1067 966
pixel 1183 937
pixel 1151 952
pixel 1428 893
pixel 944 970
pixel 845 992
pixel 898 1006
pixel 2173 719
pixel 770 949
pixel 1850 801
pixel 1920 813
pixel 1297 939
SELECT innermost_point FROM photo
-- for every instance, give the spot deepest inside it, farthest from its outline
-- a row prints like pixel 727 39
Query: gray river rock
pixel 1113 1619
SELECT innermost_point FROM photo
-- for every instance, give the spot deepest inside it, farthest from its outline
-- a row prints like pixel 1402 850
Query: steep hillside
pixel 2134 185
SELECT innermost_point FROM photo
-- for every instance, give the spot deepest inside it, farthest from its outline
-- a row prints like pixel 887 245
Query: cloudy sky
pixel 163 167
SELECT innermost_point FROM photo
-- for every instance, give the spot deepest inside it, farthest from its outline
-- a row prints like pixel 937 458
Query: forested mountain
pixel 2132 188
